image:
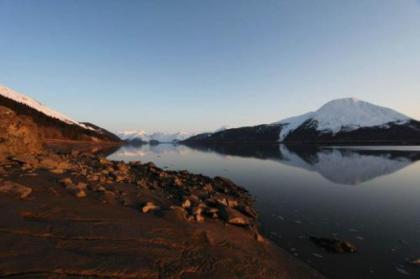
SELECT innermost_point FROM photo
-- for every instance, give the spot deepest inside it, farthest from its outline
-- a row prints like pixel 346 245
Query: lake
pixel 369 196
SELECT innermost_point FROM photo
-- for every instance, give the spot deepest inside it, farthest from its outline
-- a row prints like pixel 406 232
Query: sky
pixel 196 66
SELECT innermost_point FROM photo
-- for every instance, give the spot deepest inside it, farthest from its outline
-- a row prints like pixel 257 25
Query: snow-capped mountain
pixel 343 121
pixel 157 136
pixel 53 124
pixel 343 115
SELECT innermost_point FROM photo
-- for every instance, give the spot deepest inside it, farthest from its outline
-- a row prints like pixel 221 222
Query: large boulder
pixel 18 134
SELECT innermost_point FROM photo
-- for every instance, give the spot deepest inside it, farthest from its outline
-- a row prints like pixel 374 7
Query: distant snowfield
pixel 159 136
pixel 344 115
pixel 20 98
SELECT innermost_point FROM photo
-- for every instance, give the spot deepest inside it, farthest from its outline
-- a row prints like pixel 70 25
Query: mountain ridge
pixel 162 137
pixel 53 125
pixel 341 121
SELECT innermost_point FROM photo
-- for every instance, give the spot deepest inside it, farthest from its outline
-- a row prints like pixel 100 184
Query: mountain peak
pixel 348 100
pixel 344 114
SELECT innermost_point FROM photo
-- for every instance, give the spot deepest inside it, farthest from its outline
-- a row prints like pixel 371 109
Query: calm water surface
pixel 369 196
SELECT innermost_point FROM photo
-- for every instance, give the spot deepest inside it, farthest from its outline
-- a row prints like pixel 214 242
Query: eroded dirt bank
pixel 75 215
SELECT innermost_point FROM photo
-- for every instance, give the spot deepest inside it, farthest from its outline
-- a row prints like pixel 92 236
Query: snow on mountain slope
pixel 20 98
pixel 344 115
pixel 159 136
pixel 130 135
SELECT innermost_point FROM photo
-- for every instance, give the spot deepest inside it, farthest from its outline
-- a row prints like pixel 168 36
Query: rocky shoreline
pixel 73 214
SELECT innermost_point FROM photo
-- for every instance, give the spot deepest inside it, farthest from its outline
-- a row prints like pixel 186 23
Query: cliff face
pixel 18 134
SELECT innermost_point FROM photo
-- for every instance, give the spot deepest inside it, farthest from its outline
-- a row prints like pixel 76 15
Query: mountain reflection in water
pixel 296 193
pixel 341 165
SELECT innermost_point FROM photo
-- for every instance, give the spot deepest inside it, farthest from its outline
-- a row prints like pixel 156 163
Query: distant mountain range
pixel 51 124
pixel 141 136
pixel 341 121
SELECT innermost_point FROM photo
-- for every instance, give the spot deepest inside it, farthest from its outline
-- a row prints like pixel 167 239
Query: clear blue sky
pixel 198 65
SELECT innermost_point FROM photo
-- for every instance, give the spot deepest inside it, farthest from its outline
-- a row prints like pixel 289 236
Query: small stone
pixel 334 245
pixel 81 194
pixel 208 187
pixel 81 186
pixel 67 182
pixel 119 178
pixel 259 237
pixel 149 206
pixel 199 218
pixel 177 182
pixel 246 210
pixel 186 203
pixel 104 161
pixel 93 178
pixel 238 221
pixel 57 171
pixel 123 168
pixel 232 203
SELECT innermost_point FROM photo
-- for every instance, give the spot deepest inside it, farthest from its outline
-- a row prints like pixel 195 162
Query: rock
pixel 67 182
pixel 208 187
pixel 54 164
pixel 19 134
pixel 238 221
pixel 199 218
pixel 93 178
pixel 80 194
pixel 78 190
pixel 334 245
pixel 186 204
pixel 15 188
pixel 232 203
pixel 150 165
pixel 198 213
pixel 177 182
pixel 259 237
pixel 233 217
pixel 142 183
pixel 81 186
pixel 213 212
pixel 247 211
pixel 104 161
pixel 221 200
pixel 57 171
pixel 150 206
pixel 120 178
pixel 75 153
